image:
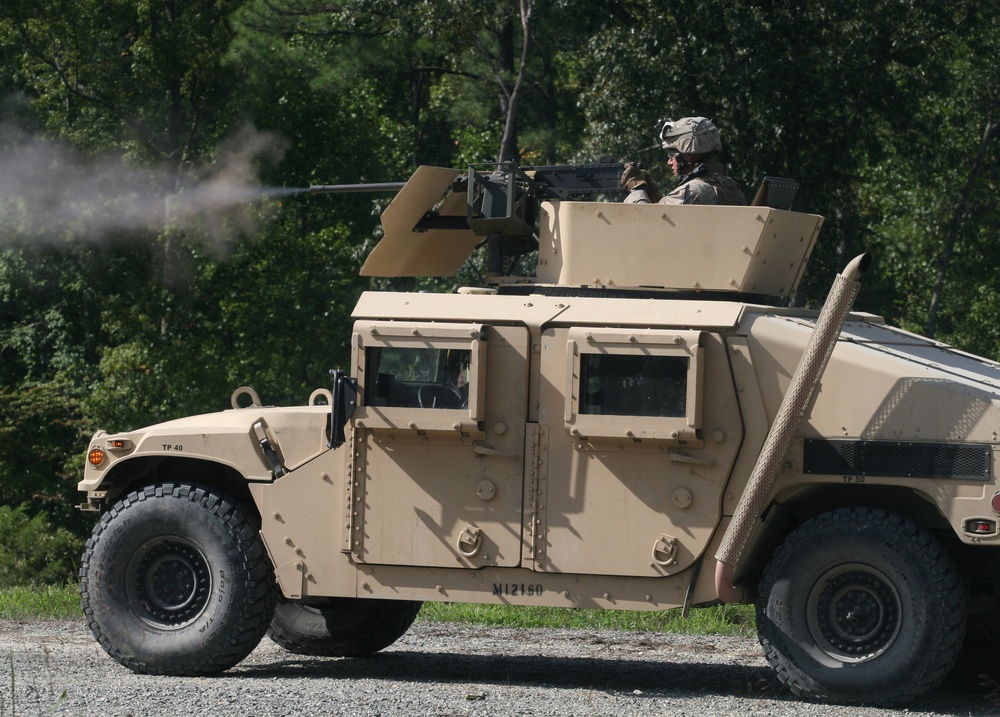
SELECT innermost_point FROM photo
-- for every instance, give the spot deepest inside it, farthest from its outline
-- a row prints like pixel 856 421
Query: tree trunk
pixel 510 100
pixel 955 225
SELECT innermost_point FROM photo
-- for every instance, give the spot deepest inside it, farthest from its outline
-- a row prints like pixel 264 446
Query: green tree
pixel 937 228
pixel 88 268
pixel 145 288
pixel 33 551
pixel 803 90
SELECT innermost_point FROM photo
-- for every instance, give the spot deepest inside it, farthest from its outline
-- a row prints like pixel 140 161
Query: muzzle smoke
pixel 49 192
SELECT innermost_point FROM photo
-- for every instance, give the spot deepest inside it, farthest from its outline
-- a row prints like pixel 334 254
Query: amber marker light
pixel 95 457
pixel 119 444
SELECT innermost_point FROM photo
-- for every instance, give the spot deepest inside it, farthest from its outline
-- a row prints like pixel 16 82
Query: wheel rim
pixel 168 583
pixel 854 613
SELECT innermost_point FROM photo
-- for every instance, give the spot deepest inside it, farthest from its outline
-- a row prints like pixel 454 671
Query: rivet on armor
pixel 682 498
pixel 486 490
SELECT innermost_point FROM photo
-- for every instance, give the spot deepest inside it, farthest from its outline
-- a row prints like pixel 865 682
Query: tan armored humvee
pixel 635 426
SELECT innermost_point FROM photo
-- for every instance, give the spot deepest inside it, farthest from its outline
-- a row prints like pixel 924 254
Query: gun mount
pixel 459 211
pixel 440 216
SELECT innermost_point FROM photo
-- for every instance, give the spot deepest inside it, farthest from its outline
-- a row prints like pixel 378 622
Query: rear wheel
pixel 341 627
pixel 175 580
pixel 861 606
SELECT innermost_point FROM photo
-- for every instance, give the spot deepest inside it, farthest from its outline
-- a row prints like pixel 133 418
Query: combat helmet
pixel 689 135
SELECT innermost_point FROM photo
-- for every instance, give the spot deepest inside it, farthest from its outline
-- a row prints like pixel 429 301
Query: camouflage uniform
pixel 705 183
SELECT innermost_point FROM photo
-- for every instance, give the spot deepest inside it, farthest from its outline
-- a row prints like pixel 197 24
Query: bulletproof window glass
pixel 643 384
pixel 413 377
pixel 420 376
pixel 633 385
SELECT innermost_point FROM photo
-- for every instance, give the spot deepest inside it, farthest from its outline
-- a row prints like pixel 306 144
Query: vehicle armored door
pixel 439 443
pixel 643 428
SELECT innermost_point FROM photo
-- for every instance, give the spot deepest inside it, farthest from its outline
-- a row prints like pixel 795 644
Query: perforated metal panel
pixel 897 459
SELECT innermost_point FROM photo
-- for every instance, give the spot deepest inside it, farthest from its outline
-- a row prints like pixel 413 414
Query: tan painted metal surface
pixel 403 251
pixel 744 249
pixel 565 448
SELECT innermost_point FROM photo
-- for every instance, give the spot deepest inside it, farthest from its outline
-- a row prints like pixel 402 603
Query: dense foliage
pixel 148 267
pixel 34 552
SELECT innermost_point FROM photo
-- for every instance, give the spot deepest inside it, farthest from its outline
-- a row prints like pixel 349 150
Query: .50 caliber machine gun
pixel 501 206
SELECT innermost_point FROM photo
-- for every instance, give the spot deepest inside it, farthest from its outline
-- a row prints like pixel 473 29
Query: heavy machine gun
pixel 501 206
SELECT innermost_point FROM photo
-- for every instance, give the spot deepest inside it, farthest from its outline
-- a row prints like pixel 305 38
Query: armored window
pixel 633 385
pixel 420 376
pixel 416 377
pixel 643 384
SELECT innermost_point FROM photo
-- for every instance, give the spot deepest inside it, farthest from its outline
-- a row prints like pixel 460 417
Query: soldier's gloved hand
pixel 635 178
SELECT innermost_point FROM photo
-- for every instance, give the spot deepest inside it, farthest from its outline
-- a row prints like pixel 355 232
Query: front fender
pixel 228 438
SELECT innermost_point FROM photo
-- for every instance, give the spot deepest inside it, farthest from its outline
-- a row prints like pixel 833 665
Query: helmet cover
pixel 689 135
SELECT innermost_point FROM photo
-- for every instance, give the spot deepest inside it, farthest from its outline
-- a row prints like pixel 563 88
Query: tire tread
pixel 385 623
pixel 261 588
pixel 949 596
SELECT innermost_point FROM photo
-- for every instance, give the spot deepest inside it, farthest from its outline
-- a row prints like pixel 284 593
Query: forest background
pixel 150 261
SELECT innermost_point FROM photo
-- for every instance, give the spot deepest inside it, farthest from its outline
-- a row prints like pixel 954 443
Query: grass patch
pixel 717 620
pixel 47 602
pixel 63 603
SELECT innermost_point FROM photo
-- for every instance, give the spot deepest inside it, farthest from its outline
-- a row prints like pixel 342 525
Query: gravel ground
pixel 438 670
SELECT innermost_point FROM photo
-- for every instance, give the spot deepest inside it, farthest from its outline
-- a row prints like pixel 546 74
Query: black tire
pixel 861 606
pixel 341 627
pixel 175 581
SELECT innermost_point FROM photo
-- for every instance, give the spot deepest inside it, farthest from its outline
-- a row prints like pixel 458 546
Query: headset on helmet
pixel 689 135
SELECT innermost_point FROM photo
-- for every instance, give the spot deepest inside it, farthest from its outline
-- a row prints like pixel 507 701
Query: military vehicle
pixel 628 416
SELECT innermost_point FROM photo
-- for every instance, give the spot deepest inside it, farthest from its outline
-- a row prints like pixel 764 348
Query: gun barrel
pixel 367 187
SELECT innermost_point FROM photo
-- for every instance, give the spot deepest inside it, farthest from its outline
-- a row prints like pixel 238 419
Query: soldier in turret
pixel 691 144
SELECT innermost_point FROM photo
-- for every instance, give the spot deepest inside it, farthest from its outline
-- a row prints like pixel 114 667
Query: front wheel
pixel 175 581
pixel 341 627
pixel 861 606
